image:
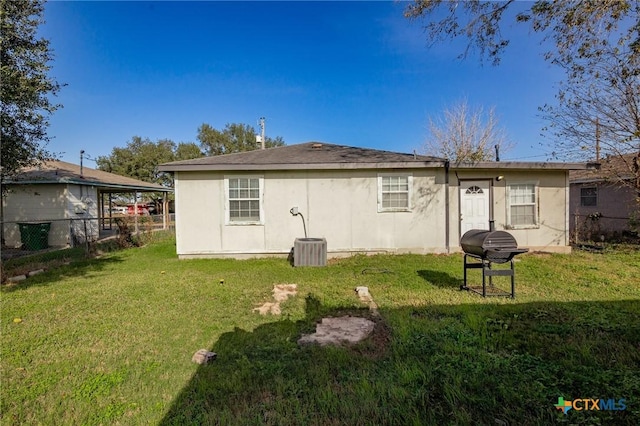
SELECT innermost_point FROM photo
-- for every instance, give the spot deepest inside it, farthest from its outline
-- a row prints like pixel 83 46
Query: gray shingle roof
pixel 310 155
pixel 613 168
pixel 55 171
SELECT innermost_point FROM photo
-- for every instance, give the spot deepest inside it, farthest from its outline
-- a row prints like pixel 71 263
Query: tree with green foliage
pixel 595 42
pixel 141 157
pixel 234 137
pixel 26 86
pixel 186 151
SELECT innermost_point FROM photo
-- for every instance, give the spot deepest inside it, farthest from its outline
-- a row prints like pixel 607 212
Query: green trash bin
pixel 35 235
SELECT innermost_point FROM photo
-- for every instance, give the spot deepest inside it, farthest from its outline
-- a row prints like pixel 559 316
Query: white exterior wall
pixel 82 205
pixel 55 203
pixel 341 206
pixel 36 203
pixel 552 232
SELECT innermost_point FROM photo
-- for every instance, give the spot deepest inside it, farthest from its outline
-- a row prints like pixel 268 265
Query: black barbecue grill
pixel 485 248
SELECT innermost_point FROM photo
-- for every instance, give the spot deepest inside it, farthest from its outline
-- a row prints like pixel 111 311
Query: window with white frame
pixel 394 192
pixel 523 208
pixel 244 200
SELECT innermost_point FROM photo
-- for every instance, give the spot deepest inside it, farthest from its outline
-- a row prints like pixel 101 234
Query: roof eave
pixel 301 166
pixel 599 179
pixel 64 181
pixel 519 165
pixel 136 188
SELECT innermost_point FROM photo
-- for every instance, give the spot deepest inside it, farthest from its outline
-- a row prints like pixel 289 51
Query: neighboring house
pixel 603 202
pixel 67 196
pixel 361 201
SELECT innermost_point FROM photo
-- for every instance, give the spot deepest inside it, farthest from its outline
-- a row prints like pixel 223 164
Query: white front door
pixel 474 205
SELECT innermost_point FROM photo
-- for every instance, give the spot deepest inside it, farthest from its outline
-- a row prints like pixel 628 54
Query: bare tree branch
pixel 595 42
pixel 463 134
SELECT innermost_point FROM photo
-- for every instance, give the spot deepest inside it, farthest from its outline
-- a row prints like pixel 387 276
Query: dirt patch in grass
pixel 377 345
pixel 367 334
pixel 339 331
pixel 281 292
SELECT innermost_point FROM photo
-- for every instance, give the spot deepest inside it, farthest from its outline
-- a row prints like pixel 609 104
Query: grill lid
pixel 497 246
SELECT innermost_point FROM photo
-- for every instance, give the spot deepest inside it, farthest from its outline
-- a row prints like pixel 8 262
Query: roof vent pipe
pixel 262 139
pixel 497 147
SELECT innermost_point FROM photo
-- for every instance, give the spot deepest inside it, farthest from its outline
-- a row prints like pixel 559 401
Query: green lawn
pixel 110 340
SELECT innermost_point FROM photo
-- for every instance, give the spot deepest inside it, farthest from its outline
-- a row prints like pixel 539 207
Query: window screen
pixel 395 192
pixel 244 200
pixel 522 205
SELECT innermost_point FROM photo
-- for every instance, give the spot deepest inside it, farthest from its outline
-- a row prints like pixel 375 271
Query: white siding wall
pixel 341 206
pixel 55 203
pixel 552 231
pixel 338 205
pixel 35 203
pixel 82 204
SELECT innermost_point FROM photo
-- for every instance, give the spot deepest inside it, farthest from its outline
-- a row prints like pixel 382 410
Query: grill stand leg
pixel 487 271
pixel 484 279
pixel 464 281
pixel 513 280
pixel 469 265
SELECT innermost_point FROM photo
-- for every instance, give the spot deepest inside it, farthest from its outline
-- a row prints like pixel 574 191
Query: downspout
pixel 567 212
pixel 2 190
pixel 446 207
pixel 492 221
pixel 459 199
pixel 165 211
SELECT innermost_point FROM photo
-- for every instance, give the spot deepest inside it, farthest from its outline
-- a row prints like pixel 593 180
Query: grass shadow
pixel 439 278
pixel 437 364
pixel 70 268
pixel 254 370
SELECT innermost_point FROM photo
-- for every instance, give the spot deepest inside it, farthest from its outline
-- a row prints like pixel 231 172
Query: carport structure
pixel 77 201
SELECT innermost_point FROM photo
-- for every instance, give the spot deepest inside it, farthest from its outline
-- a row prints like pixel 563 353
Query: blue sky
pixel 354 73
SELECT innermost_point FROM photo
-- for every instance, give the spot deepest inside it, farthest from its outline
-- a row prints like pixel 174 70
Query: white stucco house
pixel 362 201
pixel 71 198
